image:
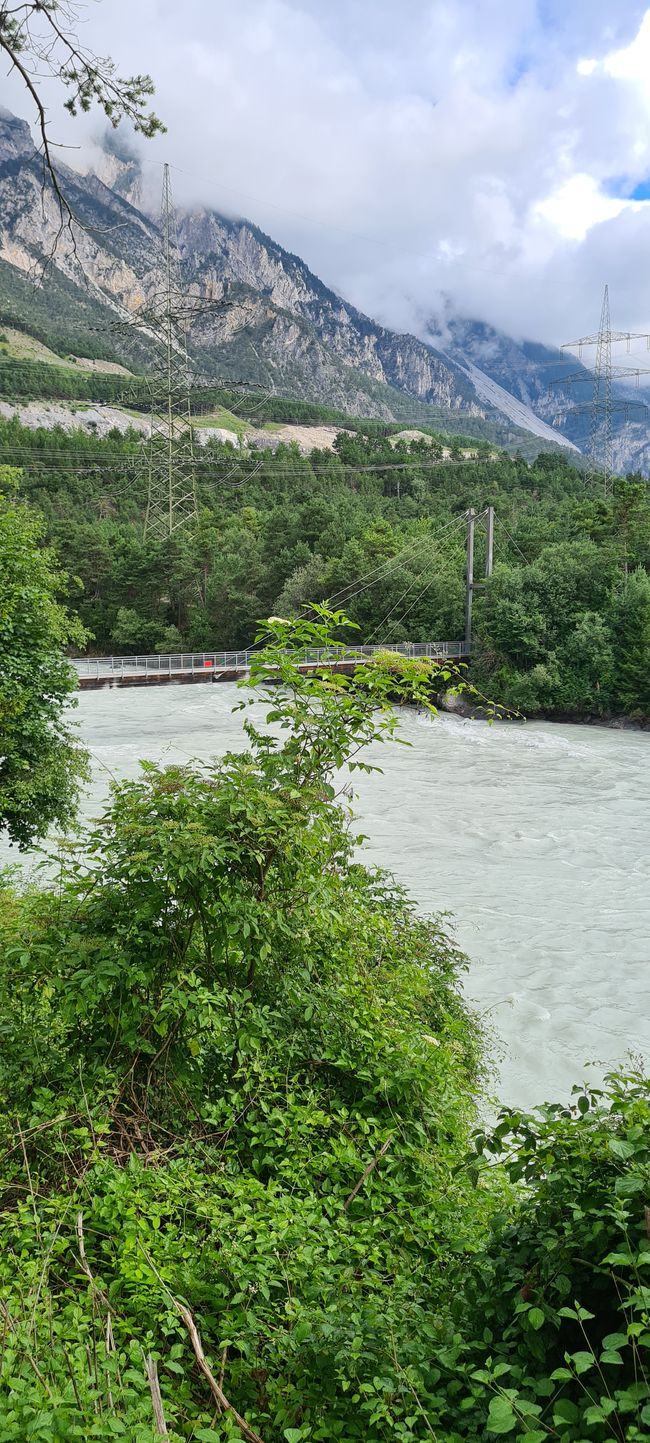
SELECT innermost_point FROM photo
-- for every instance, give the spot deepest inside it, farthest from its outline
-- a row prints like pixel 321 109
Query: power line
pixel 56 461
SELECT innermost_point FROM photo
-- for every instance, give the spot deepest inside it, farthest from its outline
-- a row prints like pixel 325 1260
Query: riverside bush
pixel 240 1191
pixel 237 1078
pixel 553 1339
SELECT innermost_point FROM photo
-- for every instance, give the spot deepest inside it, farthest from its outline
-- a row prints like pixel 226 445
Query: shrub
pixel 237 1079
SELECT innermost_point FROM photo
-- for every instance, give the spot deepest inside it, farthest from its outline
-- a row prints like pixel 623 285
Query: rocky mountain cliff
pixel 270 322
pixel 530 373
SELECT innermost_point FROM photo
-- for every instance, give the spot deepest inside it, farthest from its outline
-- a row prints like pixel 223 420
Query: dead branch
pixel 53 50
pixel 97 1291
pixel 156 1396
pixel 367 1171
pixel 215 1388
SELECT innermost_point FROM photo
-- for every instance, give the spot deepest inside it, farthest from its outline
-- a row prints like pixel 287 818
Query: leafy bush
pixel 562 1288
pixel 41 762
pixel 237 1080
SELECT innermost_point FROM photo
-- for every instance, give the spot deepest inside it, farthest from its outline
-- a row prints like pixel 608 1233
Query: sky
pixel 485 157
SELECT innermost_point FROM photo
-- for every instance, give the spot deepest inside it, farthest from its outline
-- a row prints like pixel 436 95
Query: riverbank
pixel 459 706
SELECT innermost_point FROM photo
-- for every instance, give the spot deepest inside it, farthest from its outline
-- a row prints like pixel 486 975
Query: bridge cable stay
pixel 378 573
pixel 385 567
pixel 469 519
pixel 458 521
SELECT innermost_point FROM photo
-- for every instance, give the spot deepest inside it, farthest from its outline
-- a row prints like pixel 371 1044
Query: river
pixel 536 837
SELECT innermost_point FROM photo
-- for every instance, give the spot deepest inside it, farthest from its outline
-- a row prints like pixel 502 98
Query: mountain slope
pixel 271 322
pixel 532 374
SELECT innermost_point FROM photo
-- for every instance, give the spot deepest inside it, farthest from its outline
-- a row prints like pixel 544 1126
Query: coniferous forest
pixel 562 627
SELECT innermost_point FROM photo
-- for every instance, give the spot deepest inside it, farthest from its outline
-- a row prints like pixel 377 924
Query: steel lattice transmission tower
pixel 603 404
pixel 171 463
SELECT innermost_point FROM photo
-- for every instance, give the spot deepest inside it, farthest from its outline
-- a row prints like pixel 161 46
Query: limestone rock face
pixel 266 320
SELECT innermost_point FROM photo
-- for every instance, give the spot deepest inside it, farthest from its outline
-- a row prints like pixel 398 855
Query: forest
pixel 561 628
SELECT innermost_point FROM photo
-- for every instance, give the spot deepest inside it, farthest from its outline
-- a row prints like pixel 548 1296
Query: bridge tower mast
pixel 486 520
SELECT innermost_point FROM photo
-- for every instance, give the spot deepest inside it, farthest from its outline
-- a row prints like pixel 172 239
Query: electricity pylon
pixel 169 458
pixel 171 498
pixel 165 320
pixel 603 404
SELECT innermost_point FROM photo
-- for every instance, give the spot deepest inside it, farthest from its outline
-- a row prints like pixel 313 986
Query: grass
pixel 18 346
pixel 225 419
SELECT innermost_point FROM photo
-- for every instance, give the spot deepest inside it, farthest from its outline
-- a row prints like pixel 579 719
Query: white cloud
pixel 632 62
pixel 442 148
pixel 576 206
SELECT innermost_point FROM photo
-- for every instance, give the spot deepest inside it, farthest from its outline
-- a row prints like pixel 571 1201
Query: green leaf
pixel 582 1362
pixel 615 1340
pixel 621 1148
pixel 536 1318
pixel 628 1185
pixel 564 1411
pixel 501 1416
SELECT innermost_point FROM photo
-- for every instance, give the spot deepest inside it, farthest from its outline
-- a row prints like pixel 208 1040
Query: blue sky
pixel 488 155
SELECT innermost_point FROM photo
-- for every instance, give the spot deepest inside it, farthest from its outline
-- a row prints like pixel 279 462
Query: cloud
pixel 440 151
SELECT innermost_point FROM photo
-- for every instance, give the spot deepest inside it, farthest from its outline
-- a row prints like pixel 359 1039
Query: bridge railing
pixel 174 663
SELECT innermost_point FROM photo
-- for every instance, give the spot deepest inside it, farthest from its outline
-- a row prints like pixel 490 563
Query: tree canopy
pixel 40 39
pixel 42 762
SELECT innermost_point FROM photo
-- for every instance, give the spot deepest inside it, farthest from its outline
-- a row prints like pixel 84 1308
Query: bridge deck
pixel 207 666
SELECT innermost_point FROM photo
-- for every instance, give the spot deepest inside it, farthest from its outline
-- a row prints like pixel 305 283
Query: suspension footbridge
pixel 229 666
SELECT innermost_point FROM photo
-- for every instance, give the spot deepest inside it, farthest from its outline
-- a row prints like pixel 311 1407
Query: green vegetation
pixel 562 627
pixel 241 1195
pixel 24 378
pixel 243 1077
pixel 41 763
pixel 553 1339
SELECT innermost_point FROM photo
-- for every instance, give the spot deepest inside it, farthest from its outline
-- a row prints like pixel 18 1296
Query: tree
pixel 39 37
pixel 41 762
pixel 131 630
pixel 632 638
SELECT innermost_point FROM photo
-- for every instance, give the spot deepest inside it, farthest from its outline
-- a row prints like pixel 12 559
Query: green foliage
pixel 237 1087
pixel 237 1076
pixel 561 1287
pixel 376 523
pixel 51 47
pixel 41 764
pixel 632 636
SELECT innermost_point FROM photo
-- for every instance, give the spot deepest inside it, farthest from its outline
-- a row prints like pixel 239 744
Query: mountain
pixel 529 374
pixel 270 321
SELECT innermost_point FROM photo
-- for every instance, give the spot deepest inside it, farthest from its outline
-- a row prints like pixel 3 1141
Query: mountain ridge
pixel 281 328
